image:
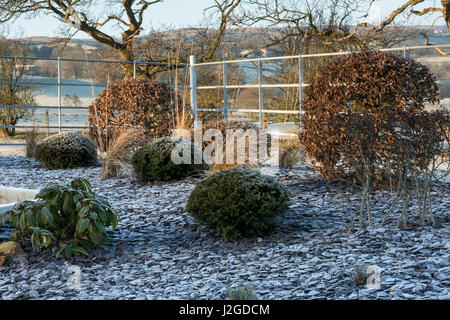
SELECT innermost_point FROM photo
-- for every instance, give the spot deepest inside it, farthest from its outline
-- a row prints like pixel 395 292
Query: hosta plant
pixel 72 216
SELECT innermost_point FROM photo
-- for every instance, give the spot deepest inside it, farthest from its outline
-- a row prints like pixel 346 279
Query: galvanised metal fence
pixel 193 85
pixel 261 86
pixel 60 84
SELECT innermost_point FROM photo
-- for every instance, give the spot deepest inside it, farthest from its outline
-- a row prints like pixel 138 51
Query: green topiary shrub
pixel 67 150
pixel 154 162
pixel 73 216
pixel 238 202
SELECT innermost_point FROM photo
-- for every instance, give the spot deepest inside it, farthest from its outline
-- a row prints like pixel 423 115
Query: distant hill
pixel 45 46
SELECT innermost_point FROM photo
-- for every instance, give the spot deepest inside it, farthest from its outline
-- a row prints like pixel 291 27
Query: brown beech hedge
pixel 372 84
pixel 140 104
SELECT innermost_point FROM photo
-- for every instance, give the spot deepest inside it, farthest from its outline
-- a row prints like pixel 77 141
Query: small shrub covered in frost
pixel 360 274
pixel 67 150
pixel 239 202
pixel 241 293
pixel 153 162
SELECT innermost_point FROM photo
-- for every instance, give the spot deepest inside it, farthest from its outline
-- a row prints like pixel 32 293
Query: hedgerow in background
pixel 66 150
pixel 153 162
pixel 239 202
pixel 370 82
pixel 140 104
pixel 73 216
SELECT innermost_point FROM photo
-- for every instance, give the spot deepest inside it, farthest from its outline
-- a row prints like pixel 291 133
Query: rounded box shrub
pixel 368 85
pixel 67 150
pixel 136 103
pixel 154 161
pixel 239 202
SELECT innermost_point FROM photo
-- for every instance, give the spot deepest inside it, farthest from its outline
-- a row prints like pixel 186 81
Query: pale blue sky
pixel 181 13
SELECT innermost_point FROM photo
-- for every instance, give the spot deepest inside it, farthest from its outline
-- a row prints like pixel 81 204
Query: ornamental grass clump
pixel 66 150
pixel 167 158
pixel 239 202
pixel 72 216
pixel 290 153
pixel 117 160
pixel 361 275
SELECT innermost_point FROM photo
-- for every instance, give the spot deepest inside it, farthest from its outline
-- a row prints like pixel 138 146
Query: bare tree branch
pixel 427 10
pixel 359 25
pixel 129 16
pixel 397 12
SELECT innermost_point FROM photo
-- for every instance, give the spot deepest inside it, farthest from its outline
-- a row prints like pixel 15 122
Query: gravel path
pixel 158 252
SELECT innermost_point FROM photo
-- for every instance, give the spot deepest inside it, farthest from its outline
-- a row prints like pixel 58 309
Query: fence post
pixel 134 69
pixel 59 95
pixel 300 101
pixel 300 87
pixel 405 52
pixel 193 87
pixel 47 123
pixel 225 90
pixel 260 94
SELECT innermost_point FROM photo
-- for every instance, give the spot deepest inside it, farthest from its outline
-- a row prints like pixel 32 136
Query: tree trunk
pixel 8 132
pixel 126 53
pixel 446 14
pixel 127 68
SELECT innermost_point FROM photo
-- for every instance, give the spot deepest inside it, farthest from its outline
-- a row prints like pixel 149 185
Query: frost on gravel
pixel 158 252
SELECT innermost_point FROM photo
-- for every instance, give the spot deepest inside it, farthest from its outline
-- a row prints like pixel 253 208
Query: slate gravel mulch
pixel 158 251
